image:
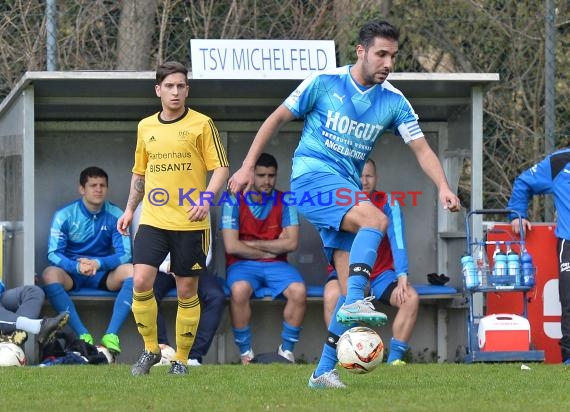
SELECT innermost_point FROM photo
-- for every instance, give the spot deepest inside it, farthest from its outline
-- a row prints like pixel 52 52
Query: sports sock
pixel 145 310
pixel 289 336
pixel 28 325
pixel 328 358
pixel 187 319
pixel 122 307
pixel 242 338
pixel 61 302
pixel 361 259
pixel 397 350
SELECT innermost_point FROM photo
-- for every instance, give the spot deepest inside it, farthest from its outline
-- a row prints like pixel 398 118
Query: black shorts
pixel 188 249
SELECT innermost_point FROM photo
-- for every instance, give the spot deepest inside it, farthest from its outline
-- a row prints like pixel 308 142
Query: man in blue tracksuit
pixel 86 250
pixel 551 175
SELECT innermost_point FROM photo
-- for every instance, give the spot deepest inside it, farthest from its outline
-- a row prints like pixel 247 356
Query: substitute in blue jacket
pixel 551 175
pixel 86 250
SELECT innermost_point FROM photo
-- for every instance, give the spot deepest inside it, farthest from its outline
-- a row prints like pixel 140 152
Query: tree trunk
pixel 136 27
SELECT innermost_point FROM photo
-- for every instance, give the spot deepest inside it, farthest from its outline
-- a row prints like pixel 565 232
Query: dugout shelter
pixel 54 124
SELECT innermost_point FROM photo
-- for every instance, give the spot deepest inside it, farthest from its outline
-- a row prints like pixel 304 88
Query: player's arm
pixel 243 178
pixel 235 246
pixel 396 236
pixel 123 253
pixel 136 194
pixel 536 180
pixel 431 166
pixel 287 242
pixel 57 245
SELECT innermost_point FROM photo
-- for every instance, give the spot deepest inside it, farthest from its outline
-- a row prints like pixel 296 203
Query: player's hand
pixel 88 267
pixel 199 212
pixel 526 225
pixel 449 200
pixel 240 181
pixel 401 290
pixel 124 222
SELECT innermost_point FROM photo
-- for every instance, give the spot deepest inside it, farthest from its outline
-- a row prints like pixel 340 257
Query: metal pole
pixel 51 34
pixel 549 94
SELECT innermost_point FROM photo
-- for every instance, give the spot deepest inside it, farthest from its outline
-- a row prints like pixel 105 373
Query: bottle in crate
pixel 513 266
pixel 527 269
pixel 469 272
pixel 499 266
pixel 481 263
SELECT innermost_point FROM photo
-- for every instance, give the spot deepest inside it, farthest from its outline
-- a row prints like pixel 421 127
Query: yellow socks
pixel 187 319
pixel 145 311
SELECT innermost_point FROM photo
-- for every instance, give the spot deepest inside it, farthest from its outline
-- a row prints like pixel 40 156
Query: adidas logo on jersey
pixel 196 266
pixel 152 139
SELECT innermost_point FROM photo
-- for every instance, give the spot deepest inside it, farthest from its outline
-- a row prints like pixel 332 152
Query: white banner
pixel 260 59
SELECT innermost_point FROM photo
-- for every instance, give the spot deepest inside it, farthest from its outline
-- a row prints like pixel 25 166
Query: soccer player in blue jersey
pixel 86 250
pixel 551 175
pixel 345 111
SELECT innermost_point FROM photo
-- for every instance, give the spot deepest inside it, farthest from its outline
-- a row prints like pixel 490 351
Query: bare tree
pixel 136 28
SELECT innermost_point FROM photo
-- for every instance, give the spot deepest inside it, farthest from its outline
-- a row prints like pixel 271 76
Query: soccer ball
pixel 360 350
pixel 107 353
pixel 11 355
pixel 167 355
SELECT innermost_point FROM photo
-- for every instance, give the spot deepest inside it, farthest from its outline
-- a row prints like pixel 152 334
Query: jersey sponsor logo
pixel 170 167
pixel 169 155
pixel 347 126
pixel 345 150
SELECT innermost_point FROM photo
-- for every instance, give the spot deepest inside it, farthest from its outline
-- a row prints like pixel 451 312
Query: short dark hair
pixel 168 68
pixel 266 160
pixel 372 162
pixel 92 171
pixel 377 28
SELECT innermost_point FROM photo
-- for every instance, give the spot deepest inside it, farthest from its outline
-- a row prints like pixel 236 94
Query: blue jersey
pixel 343 122
pixel 551 175
pixel 77 232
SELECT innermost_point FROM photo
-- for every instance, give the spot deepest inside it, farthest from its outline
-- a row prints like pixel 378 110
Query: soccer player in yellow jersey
pixel 176 148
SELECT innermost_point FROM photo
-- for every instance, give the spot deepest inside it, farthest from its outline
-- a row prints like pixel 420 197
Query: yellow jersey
pixel 175 157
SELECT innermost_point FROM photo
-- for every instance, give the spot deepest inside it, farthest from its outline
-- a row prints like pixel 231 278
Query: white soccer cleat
pixel 327 380
pixel 287 354
pixel 361 311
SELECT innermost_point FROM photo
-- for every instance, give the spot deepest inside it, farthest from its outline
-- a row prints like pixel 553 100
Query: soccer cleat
pixel 247 357
pixel 87 338
pixel 177 368
pixel 361 311
pixel 49 326
pixel 194 362
pixel 287 354
pixel 328 379
pixel 145 362
pixel 111 342
pixel 18 337
pixel 398 362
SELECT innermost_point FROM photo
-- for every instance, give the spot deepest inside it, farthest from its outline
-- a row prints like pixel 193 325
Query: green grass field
pixel 278 387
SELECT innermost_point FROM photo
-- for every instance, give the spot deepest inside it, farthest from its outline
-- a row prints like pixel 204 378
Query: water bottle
pixel 513 267
pixel 527 278
pixel 469 272
pixel 482 264
pixel 500 268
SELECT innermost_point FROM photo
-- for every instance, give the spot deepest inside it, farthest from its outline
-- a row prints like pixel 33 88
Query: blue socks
pixel 397 350
pixel 362 257
pixel 242 338
pixel 122 307
pixel 61 302
pixel 289 336
pixel 328 358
